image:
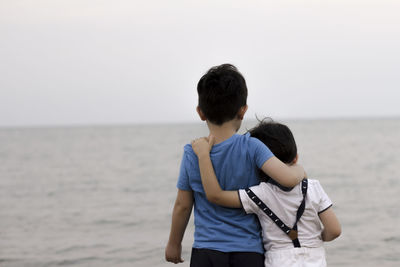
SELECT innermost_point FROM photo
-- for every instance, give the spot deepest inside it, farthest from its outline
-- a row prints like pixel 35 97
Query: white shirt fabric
pixel 285 205
pixel 296 257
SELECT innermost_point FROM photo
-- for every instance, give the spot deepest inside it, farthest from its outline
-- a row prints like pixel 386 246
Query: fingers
pixel 200 144
pixel 175 260
pixel 210 139
pixel 197 140
pixel 194 141
pixel 173 254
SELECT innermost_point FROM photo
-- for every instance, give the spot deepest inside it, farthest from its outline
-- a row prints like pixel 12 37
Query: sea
pixel 103 195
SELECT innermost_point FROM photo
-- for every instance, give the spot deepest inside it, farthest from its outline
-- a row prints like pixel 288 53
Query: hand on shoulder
pixel 202 146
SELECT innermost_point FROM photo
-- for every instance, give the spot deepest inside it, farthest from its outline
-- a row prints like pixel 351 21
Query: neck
pixel 224 131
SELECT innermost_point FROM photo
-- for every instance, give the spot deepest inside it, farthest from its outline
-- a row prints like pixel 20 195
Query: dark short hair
pixel 278 138
pixel 222 92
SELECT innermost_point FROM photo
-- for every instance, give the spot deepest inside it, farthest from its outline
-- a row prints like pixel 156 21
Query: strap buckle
pixel 292 234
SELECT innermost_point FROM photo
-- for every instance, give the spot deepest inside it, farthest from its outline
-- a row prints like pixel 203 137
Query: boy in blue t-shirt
pixel 224 236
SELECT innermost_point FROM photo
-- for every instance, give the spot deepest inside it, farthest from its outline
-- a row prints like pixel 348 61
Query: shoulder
pixel 315 188
pixel 262 189
pixel 252 140
pixel 246 138
pixel 188 148
pixel 262 185
pixel 314 184
pixel 259 151
pixel 189 157
pixel 252 143
pixel 188 151
pixel 242 139
pixel 247 201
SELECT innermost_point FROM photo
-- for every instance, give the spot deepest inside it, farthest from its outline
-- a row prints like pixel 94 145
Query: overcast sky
pixel 110 62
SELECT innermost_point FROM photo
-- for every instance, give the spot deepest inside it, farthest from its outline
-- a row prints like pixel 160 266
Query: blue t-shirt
pixel 235 161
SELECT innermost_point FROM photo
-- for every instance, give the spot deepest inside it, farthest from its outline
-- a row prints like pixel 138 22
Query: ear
pixel 242 111
pixel 201 114
pixel 295 159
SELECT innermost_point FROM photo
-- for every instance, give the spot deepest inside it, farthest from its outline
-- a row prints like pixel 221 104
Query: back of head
pixel 222 92
pixel 278 138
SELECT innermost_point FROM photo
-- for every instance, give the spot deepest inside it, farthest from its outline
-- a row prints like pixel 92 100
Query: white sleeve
pixel 248 205
pixel 324 200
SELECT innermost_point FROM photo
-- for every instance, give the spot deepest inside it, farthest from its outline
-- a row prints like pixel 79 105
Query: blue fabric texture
pixel 235 161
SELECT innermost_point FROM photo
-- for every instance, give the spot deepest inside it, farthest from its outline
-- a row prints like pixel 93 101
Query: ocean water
pixel 103 196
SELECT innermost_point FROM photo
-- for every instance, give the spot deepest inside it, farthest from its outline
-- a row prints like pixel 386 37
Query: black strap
pixel 300 211
pixel 291 232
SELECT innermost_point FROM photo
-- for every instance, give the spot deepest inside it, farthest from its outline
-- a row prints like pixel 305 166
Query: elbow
pixel 181 210
pixel 332 234
pixel 290 182
pixel 181 207
pixel 213 198
pixel 337 233
pixel 295 180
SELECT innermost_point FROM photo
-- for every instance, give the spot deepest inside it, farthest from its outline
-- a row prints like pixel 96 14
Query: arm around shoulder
pixel 212 188
pixel 214 193
pixel 286 175
pixel 332 228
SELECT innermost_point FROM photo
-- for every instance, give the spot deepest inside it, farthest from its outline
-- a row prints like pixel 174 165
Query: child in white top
pixel 283 202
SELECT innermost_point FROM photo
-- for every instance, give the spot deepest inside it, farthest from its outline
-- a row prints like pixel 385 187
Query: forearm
pixel 326 236
pixel 296 174
pixel 180 218
pixel 283 174
pixel 208 178
pixel 329 234
pixel 332 228
pixel 213 190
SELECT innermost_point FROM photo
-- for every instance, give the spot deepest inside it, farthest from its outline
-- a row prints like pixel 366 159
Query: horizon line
pixel 155 123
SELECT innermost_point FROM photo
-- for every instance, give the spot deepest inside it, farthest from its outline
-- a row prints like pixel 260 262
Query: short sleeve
pixel 248 205
pixel 261 152
pixel 183 179
pixel 324 200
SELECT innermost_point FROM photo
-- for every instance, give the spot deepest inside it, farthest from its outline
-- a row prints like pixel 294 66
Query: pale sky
pixel 73 62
